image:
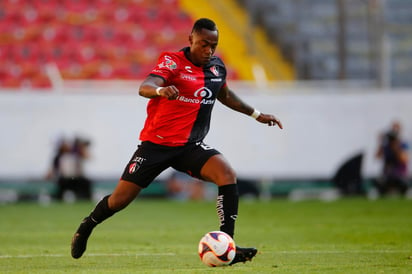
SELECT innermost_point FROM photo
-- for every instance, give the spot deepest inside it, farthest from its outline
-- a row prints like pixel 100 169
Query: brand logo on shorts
pixel 136 164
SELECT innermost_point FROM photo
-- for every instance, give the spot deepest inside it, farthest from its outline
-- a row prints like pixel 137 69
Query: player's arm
pixel 402 153
pixel 379 150
pixel 231 100
pixel 153 86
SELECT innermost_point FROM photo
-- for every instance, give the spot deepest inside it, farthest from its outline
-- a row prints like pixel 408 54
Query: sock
pixel 100 213
pixel 227 207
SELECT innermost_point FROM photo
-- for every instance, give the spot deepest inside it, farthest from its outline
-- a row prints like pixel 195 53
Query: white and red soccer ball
pixel 216 248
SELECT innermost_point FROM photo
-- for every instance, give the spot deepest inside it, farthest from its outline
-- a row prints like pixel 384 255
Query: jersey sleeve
pixel 166 66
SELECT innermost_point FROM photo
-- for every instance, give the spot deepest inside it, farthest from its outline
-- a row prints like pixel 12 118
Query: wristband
pixel 158 90
pixel 255 114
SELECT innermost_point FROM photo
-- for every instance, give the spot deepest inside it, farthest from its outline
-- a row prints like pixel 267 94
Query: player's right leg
pixel 124 193
pixel 148 161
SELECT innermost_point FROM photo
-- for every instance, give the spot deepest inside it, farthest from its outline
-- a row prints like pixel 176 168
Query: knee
pixel 231 174
pixel 226 176
pixel 218 171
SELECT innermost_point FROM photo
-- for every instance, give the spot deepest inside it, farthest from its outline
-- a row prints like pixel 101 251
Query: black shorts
pixel 151 159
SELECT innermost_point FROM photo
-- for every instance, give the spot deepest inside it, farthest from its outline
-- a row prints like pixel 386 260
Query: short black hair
pixel 204 23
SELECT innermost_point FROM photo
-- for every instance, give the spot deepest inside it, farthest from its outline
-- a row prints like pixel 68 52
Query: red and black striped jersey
pixel 186 119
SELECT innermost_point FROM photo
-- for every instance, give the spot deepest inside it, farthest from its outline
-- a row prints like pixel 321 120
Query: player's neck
pixel 189 57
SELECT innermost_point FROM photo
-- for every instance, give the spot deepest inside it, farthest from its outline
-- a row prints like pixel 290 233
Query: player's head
pixel 203 41
pixel 204 23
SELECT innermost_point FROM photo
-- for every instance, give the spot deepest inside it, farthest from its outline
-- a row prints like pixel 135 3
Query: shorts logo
pixel 136 164
pixel 204 146
pixel 132 168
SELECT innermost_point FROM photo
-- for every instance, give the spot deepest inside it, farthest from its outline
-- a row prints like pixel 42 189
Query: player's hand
pixel 270 120
pixel 169 92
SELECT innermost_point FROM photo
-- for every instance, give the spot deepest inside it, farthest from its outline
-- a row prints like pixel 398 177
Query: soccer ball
pixel 216 248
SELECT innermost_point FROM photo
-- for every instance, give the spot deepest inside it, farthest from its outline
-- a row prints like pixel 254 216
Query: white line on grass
pixel 23 256
pixel 337 251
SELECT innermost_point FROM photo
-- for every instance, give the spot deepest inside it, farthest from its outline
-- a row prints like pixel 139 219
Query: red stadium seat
pixel 94 39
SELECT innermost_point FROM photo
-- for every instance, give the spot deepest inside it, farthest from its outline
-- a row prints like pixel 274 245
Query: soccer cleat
pixel 79 240
pixel 244 254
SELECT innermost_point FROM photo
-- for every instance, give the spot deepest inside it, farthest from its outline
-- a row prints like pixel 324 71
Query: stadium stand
pixel 96 39
pixel 244 48
pixel 108 39
pixel 400 31
pixel 308 32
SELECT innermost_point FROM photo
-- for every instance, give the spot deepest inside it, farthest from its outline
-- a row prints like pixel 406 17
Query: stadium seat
pixel 307 33
pixel 95 39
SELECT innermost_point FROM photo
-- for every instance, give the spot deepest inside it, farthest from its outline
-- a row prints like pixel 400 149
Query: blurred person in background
pixel 393 152
pixel 182 90
pixel 180 186
pixel 67 170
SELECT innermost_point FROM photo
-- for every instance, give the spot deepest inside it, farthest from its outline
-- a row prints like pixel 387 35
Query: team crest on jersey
pixel 215 70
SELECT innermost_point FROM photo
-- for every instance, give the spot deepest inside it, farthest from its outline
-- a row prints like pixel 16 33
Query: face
pixel 396 126
pixel 202 46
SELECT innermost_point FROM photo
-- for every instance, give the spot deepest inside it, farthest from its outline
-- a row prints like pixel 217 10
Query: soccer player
pixel 182 89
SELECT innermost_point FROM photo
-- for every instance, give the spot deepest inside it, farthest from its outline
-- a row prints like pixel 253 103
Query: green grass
pixel 159 236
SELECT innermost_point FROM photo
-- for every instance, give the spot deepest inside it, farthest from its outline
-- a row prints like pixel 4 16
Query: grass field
pixel 159 236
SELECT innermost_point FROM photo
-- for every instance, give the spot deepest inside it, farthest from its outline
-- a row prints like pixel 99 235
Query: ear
pixel 191 39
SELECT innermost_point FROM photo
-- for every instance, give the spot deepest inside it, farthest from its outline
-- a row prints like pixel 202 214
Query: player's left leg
pixel 205 162
pixel 218 170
